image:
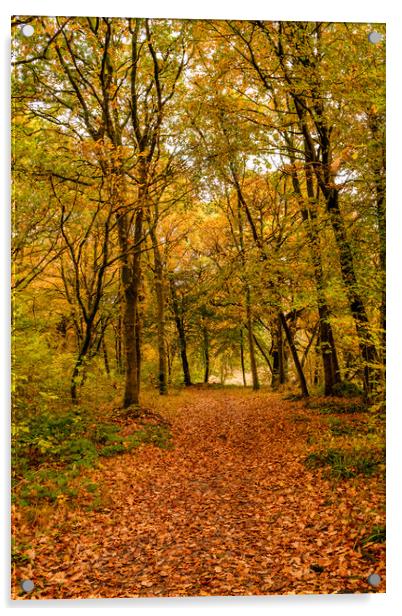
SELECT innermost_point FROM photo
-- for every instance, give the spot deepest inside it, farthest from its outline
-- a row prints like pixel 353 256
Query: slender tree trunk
pixel 182 335
pixel 318 163
pixel 169 359
pixel 309 344
pixel 118 346
pixel 316 379
pixel 253 363
pixel 130 277
pixel 278 366
pixel 160 307
pixel 378 140
pixel 330 192
pixel 367 348
pixel 327 342
pixel 263 353
pixel 309 215
pixel 206 353
pixel 299 369
pixel 243 369
pixel 80 363
pixel 105 356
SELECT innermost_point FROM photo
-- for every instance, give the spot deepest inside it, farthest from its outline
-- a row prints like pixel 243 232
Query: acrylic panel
pixel 198 251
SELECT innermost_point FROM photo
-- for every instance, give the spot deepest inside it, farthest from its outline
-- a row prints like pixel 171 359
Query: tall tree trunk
pixel 117 343
pixel 76 374
pixel 299 369
pixel 326 337
pixel 278 365
pixel 327 342
pixel 309 344
pixel 253 363
pixel 169 359
pixel 318 163
pixel 206 353
pixel 378 141
pixel 243 368
pixel 367 348
pixel 181 333
pixel 160 313
pixel 105 356
pixel 130 277
pixel 263 353
pixel 325 181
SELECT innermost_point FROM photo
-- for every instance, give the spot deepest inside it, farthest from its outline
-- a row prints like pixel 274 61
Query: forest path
pixel 230 510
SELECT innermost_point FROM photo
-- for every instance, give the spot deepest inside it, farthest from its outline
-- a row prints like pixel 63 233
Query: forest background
pixel 200 361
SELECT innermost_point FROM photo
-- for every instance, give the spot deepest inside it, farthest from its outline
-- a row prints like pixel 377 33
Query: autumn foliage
pixel 199 308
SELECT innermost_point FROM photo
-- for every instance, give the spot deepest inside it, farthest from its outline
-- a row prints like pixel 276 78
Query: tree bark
pixel 253 363
pixel 243 369
pixel 206 353
pixel 160 313
pixel 278 366
pixel 368 350
pixel 263 353
pixel 376 126
pixel 309 216
pixel 181 333
pixel 130 278
pixel 299 369
pixel 105 357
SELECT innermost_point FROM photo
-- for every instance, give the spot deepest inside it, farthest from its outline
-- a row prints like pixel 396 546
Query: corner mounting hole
pixel 374 579
pixel 374 37
pixel 27 30
pixel 27 585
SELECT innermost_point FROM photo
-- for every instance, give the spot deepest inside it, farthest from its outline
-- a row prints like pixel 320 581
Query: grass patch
pixel 51 450
pixel 344 464
pixel 377 535
pixel 338 427
pixel 336 406
pixel 340 409
pixel 299 419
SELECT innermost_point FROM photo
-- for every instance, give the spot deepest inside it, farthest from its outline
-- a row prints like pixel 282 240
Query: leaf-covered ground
pixel 231 509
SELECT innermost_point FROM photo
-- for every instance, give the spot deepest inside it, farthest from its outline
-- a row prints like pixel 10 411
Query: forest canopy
pixel 194 202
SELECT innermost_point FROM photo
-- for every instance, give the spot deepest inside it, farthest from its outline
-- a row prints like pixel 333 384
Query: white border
pixel 338 10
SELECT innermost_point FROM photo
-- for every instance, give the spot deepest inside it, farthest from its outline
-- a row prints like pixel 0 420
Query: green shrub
pixel 346 464
pixel 346 389
pixel 112 450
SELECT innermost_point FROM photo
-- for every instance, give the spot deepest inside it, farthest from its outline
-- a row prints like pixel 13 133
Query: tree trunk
pixel 80 363
pixel 327 342
pixel 130 277
pixel 169 359
pixel 181 333
pixel 206 353
pixel 118 346
pixel 263 353
pixel 367 348
pixel 299 369
pixel 278 367
pixel 160 311
pixel 253 363
pixel 243 369
pixel 378 142
pixel 105 356
pixel 309 215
